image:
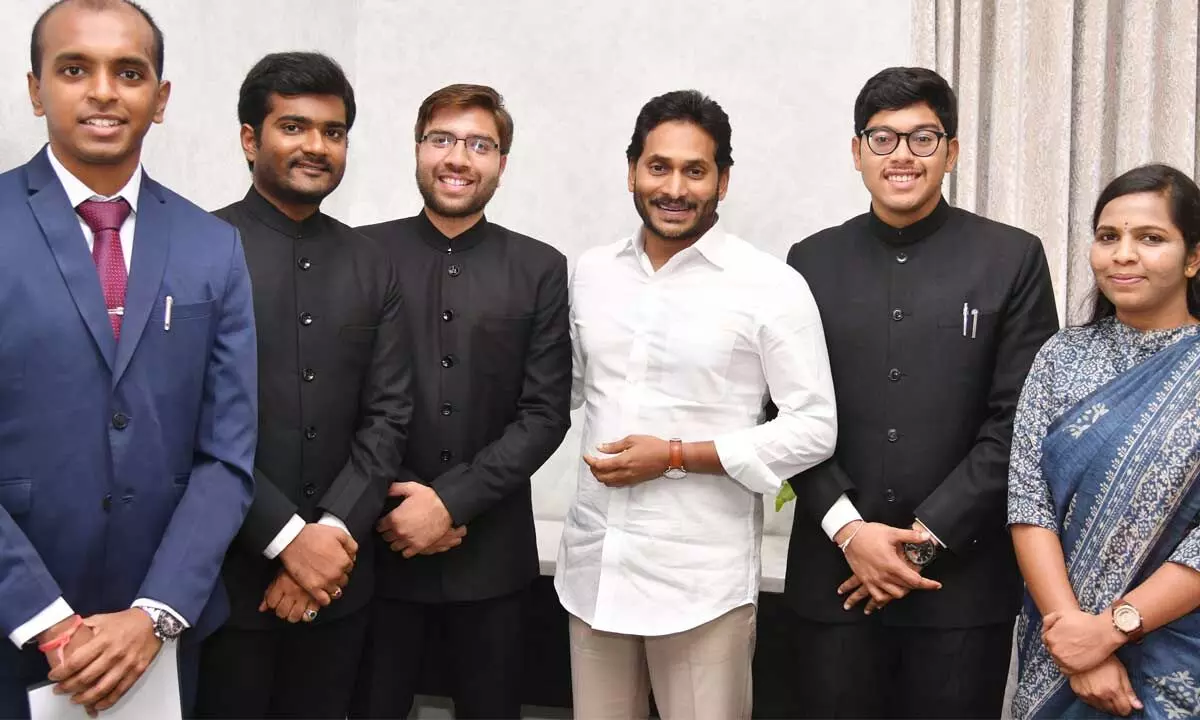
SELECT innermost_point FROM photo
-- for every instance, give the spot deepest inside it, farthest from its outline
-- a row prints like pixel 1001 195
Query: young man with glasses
pixel 932 317
pixel 488 309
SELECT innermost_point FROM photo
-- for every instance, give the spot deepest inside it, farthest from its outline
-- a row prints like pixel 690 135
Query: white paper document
pixel 155 696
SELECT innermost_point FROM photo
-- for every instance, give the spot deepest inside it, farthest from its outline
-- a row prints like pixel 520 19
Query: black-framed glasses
pixel 884 141
pixel 478 144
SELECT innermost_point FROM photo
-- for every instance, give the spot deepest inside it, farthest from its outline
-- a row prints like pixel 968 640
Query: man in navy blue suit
pixel 127 378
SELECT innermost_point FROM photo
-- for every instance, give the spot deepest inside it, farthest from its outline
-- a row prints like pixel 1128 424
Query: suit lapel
pixel 151 243
pixel 60 226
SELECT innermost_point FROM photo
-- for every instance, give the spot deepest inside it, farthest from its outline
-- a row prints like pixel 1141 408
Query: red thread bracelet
pixel 61 641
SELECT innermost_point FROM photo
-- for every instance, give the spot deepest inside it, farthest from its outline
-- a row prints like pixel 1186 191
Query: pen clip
pixel 167 313
pixel 965 314
pixel 974 321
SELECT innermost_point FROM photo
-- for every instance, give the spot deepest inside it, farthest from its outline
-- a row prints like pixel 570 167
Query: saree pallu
pixel 1122 468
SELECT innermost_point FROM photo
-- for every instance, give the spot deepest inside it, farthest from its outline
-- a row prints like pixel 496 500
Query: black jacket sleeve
pixel 974 496
pixel 358 493
pixel 543 413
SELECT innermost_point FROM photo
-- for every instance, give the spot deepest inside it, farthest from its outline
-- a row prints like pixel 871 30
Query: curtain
pixel 1056 98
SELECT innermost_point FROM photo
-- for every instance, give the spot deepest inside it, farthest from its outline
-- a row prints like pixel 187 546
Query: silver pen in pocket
pixel 965 313
pixel 974 321
pixel 167 313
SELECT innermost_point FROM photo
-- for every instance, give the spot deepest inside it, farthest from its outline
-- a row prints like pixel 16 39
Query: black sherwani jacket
pixel 335 394
pixel 925 408
pixel 492 369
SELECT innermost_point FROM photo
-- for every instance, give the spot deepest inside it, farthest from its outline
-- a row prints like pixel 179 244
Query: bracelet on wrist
pixel 60 641
pixel 848 540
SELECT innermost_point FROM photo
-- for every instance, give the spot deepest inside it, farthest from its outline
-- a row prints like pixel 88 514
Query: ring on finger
pixel 337 593
pixel 310 615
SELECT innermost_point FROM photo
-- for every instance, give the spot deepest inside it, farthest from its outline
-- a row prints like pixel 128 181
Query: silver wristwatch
pixel 166 625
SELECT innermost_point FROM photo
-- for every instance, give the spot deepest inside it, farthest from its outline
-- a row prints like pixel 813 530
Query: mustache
pixel 665 203
pixel 320 162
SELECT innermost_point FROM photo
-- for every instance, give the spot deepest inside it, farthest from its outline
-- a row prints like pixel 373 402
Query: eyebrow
pixel 671 161
pixel 127 60
pixel 922 126
pixel 1139 228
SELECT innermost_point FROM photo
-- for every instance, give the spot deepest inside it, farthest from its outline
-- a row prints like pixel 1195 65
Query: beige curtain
pixel 1056 98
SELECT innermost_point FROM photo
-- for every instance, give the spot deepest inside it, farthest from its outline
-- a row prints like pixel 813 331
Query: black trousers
pixel 298 671
pixel 869 670
pixel 482 643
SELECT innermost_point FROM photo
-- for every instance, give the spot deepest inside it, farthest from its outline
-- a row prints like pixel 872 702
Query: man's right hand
pixel 876 557
pixel 320 560
pixel 78 640
pixel 451 539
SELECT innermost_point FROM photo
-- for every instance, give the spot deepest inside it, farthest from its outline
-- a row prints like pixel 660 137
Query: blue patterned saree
pixel 1122 467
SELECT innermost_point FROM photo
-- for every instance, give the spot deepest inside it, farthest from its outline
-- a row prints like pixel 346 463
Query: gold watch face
pixel 1126 619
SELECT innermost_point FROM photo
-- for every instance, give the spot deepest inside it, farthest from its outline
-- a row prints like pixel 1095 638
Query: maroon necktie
pixel 105 219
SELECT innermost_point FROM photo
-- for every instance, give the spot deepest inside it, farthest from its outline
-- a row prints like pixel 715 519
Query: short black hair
pixel 899 87
pixel 290 74
pixel 1183 199
pixel 35 39
pixel 689 106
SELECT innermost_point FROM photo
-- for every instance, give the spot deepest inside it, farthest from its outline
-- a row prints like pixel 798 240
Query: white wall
pixel 574 74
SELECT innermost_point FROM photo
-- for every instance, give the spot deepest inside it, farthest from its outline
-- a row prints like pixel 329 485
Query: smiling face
pixel 455 182
pixel 675 182
pixel 1141 263
pixel 904 188
pixel 299 155
pixel 97 89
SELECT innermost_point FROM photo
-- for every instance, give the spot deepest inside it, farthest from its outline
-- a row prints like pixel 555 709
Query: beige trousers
pixel 696 674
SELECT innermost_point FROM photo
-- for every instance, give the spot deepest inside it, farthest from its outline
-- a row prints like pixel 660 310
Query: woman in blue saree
pixel 1104 480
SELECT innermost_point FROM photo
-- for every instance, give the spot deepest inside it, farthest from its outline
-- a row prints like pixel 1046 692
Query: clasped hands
pixel 421 525
pixel 104 657
pixel 1084 646
pixel 316 566
pixel 881 571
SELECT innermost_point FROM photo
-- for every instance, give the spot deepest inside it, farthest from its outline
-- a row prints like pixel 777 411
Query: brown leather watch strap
pixel 675 454
pixel 1137 634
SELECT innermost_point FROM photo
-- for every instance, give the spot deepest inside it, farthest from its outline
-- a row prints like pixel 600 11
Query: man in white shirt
pixel 681 333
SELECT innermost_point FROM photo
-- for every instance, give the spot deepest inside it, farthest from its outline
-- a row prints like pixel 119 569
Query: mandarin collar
pixel 274 218
pixel 919 230
pixel 466 240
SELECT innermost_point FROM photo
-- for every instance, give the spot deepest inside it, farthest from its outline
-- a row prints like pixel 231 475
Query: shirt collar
pixel 919 230
pixel 711 245
pixel 77 192
pixel 463 241
pixel 274 218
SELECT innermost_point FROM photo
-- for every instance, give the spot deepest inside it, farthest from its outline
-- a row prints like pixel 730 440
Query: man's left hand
pixel 1080 641
pixel 288 599
pixel 100 672
pixel 420 521
pixel 635 459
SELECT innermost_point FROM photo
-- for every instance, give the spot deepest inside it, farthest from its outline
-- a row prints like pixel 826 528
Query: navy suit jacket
pixel 125 467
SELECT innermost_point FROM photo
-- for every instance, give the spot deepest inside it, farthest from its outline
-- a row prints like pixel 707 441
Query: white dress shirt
pixel 77 192
pixel 692 351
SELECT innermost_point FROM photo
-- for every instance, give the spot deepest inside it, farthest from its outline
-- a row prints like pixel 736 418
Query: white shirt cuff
pixel 931 534
pixel 285 537
pixel 335 521
pixel 148 603
pixel 841 514
pixel 741 463
pixel 58 611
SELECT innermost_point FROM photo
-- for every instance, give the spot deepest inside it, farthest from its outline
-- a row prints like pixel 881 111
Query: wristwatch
pixel 675 469
pixel 166 625
pixel 1128 620
pixel 921 554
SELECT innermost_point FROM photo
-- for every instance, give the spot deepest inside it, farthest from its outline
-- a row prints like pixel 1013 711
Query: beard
pixel 281 187
pixel 706 215
pixel 485 188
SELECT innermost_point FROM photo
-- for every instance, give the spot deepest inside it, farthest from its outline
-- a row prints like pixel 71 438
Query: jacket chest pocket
pixel 16 496
pixel 356 343
pixel 499 345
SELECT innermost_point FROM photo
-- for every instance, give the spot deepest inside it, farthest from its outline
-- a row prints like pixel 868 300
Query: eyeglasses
pixel 478 144
pixel 884 141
